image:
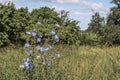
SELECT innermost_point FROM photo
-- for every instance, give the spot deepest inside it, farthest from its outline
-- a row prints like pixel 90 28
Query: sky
pixel 80 10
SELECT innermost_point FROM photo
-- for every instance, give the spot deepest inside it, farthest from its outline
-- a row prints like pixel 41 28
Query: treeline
pixel 14 23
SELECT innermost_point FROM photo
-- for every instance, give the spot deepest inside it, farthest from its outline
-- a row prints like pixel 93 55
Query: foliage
pixel 114 16
pixel 83 63
pixel 15 22
pixel 89 38
pixel 110 35
pixel 66 28
pixel 96 23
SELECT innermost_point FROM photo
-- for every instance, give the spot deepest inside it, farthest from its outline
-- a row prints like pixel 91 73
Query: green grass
pixel 83 63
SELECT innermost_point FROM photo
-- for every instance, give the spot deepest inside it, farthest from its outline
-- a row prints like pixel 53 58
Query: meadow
pixel 75 63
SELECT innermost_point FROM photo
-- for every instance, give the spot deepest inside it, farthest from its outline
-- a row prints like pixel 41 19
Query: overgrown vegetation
pixel 83 63
pixel 15 22
pixel 80 59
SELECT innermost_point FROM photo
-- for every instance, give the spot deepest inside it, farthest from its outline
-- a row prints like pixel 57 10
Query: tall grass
pixel 83 63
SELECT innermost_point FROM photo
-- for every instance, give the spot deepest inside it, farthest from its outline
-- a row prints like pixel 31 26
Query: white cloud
pixel 94 6
pixel 67 1
pixel 5 1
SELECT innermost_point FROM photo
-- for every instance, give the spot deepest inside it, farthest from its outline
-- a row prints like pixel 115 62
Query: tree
pixel 13 22
pixel 96 23
pixel 66 28
pixel 114 16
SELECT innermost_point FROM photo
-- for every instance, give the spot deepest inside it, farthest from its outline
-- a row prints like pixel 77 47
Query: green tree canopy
pixel 114 16
pixel 96 23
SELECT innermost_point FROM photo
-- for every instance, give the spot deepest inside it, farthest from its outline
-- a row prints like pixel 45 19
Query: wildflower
pixel 42 50
pixel 39 40
pixel 22 66
pixel 26 45
pixel 28 32
pixel 58 55
pixel 56 38
pixel 38 23
pixel 30 52
pixel 33 33
pixel 27 60
pixel 40 36
pixel 57 25
pixel 38 47
pixel 29 67
pixel 26 64
pixel 37 57
pixel 43 62
pixel 52 33
pixel 49 63
pixel 46 49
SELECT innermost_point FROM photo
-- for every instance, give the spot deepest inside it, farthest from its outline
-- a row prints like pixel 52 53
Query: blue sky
pixel 80 10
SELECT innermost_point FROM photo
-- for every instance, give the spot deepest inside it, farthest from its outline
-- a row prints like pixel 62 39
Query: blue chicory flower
pixel 49 63
pixel 43 62
pixel 26 45
pixel 40 36
pixel 57 25
pixel 30 52
pixel 42 50
pixel 22 66
pixel 38 57
pixel 38 47
pixel 58 55
pixel 46 49
pixel 33 33
pixel 28 32
pixel 56 38
pixel 27 60
pixel 29 67
pixel 39 40
pixel 52 33
pixel 38 23
pixel 26 64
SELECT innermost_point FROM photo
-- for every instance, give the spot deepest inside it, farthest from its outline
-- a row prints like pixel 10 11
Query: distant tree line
pixel 14 23
pixel 107 30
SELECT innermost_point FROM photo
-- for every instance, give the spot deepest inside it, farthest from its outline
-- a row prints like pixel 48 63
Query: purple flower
pixel 27 60
pixel 38 47
pixel 46 49
pixel 29 67
pixel 26 64
pixel 52 33
pixel 37 57
pixel 39 40
pixel 38 23
pixel 28 32
pixel 58 55
pixel 42 50
pixel 57 25
pixel 26 45
pixel 30 52
pixel 56 38
pixel 43 62
pixel 33 33
pixel 49 63
pixel 40 36
pixel 22 66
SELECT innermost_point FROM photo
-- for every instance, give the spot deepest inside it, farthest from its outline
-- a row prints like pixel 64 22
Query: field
pixel 75 63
